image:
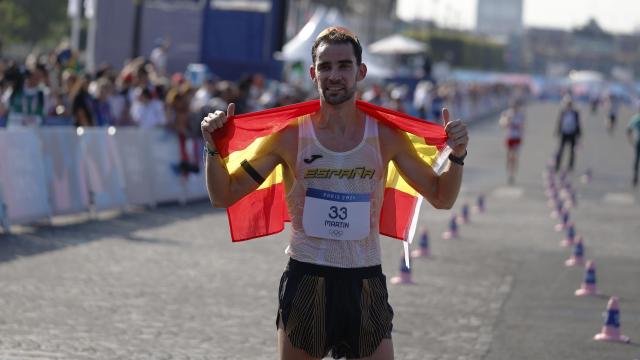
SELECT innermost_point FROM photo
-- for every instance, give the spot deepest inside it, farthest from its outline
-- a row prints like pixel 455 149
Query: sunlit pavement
pixel 169 284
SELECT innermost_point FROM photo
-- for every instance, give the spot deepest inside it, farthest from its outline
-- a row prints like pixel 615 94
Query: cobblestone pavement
pixel 168 284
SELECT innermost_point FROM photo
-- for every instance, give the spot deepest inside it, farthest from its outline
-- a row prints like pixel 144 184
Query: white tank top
pixel 356 171
pixel 515 125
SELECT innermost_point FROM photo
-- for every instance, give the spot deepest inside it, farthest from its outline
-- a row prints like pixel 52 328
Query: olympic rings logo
pixel 336 233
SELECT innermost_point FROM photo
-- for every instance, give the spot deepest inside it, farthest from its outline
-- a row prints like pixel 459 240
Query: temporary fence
pixel 50 171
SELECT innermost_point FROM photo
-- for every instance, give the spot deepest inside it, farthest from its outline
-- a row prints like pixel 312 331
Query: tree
pixel 33 22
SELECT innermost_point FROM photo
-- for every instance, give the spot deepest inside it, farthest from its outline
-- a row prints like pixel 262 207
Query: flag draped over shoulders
pixel 264 211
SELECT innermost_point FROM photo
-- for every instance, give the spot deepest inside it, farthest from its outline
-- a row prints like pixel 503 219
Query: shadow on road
pixel 38 239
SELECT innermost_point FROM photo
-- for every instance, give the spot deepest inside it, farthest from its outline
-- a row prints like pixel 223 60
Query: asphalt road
pixel 168 283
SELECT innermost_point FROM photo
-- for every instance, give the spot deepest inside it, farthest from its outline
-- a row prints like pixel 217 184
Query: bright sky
pixel 613 15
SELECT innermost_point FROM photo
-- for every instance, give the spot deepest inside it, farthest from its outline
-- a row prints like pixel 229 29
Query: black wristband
pixel 252 172
pixel 211 152
pixel 458 159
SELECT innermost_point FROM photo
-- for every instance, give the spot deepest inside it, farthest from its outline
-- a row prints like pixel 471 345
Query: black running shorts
pixel 341 312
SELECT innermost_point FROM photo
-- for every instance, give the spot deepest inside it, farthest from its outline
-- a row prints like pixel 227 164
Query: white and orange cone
pixel 464 214
pixel 452 233
pixel 404 277
pixel 577 257
pixel 423 250
pixel 557 210
pixel 564 220
pixel 588 286
pixel 571 236
pixel 479 207
pixel 586 177
pixel 611 329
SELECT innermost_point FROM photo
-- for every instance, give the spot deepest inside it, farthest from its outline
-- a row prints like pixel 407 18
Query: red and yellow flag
pixel 263 212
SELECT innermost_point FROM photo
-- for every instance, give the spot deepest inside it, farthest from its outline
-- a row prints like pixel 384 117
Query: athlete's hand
pixel 457 136
pixel 214 121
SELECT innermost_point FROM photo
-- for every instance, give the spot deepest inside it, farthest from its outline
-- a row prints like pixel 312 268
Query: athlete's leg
pixel 511 160
pixel 383 352
pixel 572 151
pixel 286 350
pixel 636 164
pixel 563 141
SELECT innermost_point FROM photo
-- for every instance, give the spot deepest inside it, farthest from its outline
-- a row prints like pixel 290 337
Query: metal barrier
pixel 51 171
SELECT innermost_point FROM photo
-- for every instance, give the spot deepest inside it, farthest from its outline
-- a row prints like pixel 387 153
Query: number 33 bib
pixel 337 216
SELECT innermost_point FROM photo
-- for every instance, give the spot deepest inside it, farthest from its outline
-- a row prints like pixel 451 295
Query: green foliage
pixel 32 22
pixel 462 49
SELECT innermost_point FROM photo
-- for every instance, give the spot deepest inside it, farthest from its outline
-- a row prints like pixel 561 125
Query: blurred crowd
pixel 53 89
pixel 50 86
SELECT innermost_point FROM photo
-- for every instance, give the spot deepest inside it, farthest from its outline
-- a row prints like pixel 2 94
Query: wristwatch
pixel 458 159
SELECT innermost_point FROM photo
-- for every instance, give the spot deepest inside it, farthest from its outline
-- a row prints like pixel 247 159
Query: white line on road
pixel 619 198
pixel 508 192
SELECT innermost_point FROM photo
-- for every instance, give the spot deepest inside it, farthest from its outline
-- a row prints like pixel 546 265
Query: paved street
pixel 168 283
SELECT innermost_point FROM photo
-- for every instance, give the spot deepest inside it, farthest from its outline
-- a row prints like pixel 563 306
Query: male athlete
pixel 513 120
pixel 333 295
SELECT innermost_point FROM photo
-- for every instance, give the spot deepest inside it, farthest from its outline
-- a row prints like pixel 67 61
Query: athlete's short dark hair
pixel 337 35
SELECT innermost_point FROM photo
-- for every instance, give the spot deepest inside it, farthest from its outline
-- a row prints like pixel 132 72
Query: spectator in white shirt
pixel 146 111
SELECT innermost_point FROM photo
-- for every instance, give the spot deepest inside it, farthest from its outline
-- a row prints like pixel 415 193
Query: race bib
pixel 336 216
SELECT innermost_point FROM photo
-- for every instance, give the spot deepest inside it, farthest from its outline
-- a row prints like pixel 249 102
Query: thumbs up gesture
pixel 457 136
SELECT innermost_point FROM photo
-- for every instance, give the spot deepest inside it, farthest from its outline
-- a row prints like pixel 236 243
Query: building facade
pixel 499 18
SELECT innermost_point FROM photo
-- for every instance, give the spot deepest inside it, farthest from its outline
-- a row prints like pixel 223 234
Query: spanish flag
pixel 264 211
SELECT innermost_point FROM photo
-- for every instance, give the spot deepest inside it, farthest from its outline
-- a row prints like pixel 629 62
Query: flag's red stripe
pixel 397 212
pixel 433 134
pixel 243 129
pixel 260 213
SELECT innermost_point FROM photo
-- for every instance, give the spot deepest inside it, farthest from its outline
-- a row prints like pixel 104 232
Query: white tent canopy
pixel 298 49
pixel 585 76
pixel 397 44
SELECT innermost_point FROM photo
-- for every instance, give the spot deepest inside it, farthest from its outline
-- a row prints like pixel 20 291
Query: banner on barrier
pixel 134 147
pixel 103 169
pixel 67 184
pixel 3 218
pixel 168 185
pixel 22 175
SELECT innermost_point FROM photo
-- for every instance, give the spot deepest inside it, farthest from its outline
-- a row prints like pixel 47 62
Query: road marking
pixel 619 198
pixel 508 192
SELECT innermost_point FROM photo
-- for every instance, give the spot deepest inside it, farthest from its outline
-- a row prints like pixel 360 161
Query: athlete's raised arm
pixel 224 188
pixel 440 190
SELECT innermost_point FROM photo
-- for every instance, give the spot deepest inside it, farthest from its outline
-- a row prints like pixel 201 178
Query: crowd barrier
pixel 60 170
pixel 51 171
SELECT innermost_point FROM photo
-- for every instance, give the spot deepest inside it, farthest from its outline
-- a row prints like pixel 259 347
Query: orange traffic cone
pixel 564 220
pixel 452 233
pixel 479 206
pixel 423 249
pixel 464 214
pixel 571 234
pixel 586 177
pixel 404 277
pixel 611 329
pixel 588 286
pixel 576 258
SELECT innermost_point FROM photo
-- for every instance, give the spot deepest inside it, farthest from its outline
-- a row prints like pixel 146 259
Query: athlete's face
pixel 336 73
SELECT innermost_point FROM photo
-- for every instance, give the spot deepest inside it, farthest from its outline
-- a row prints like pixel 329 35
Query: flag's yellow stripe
pixel 428 153
pixel 235 158
pixel 394 180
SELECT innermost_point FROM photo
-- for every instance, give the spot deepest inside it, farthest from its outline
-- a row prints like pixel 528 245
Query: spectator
pixel 159 56
pixel 82 104
pixel 27 101
pixel 422 98
pixel 203 94
pixel 103 110
pixel 568 130
pixel 146 111
pixel 633 135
